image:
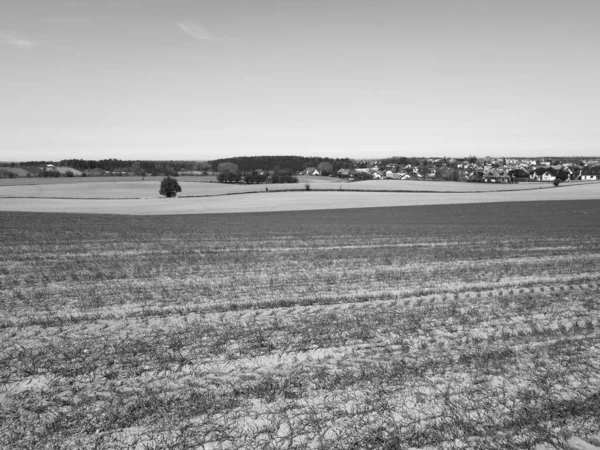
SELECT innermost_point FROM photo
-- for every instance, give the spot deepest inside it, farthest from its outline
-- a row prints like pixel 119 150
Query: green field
pixel 456 326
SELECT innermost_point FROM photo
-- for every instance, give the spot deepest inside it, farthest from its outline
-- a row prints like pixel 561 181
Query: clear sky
pixel 194 79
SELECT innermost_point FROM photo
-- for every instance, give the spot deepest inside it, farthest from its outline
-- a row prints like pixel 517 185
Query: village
pixel 471 169
pixel 491 170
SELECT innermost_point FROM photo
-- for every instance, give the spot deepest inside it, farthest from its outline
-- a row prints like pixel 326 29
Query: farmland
pixel 125 187
pixel 411 327
pixel 141 197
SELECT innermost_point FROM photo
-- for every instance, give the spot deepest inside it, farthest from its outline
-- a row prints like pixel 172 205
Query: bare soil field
pixel 455 326
pixel 142 198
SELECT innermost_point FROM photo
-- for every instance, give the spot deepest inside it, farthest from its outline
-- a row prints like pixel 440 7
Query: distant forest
pixel 117 165
pixel 292 163
pixel 244 163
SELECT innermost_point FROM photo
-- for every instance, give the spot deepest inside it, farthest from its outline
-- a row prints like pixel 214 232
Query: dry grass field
pixel 142 198
pixel 456 326
pixel 130 187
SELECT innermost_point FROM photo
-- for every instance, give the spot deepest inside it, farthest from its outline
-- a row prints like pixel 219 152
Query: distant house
pixel 122 171
pixel 311 171
pixel 567 170
pixel 589 173
pixel 343 173
pixel 548 176
pixel 495 176
pixel 378 175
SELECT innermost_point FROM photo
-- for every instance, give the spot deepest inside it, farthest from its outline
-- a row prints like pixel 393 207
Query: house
pixel 343 173
pixel 570 172
pixel 311 171
pixel 495 176
pixel 378 175
pixel 589 173
pixel 548 176
pixel 122 171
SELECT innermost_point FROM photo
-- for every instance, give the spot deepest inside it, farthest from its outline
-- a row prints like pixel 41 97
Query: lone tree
pixel 169 187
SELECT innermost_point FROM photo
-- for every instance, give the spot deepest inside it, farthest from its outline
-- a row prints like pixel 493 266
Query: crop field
pixel 124 187
pixel 456 326
pixel 219 198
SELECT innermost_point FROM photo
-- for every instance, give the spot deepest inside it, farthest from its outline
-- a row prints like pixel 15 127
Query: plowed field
pixel 456 326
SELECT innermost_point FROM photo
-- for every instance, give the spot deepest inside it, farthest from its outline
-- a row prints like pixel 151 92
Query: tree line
pixel 246 164
pixel 293 164
pixel 117 165
pixel 230 173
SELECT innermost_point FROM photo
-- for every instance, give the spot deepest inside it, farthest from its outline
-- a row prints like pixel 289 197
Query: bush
pixel 169 187
pixel 361 176
pixel 229 177
pixel 69 173
pixel 283 179
pixel 254 177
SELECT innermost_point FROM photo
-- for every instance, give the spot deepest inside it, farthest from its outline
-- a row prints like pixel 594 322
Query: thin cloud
pixel 14 41
pixel 196 31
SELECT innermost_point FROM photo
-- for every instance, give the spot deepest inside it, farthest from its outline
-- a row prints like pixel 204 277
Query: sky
pixel 200 80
